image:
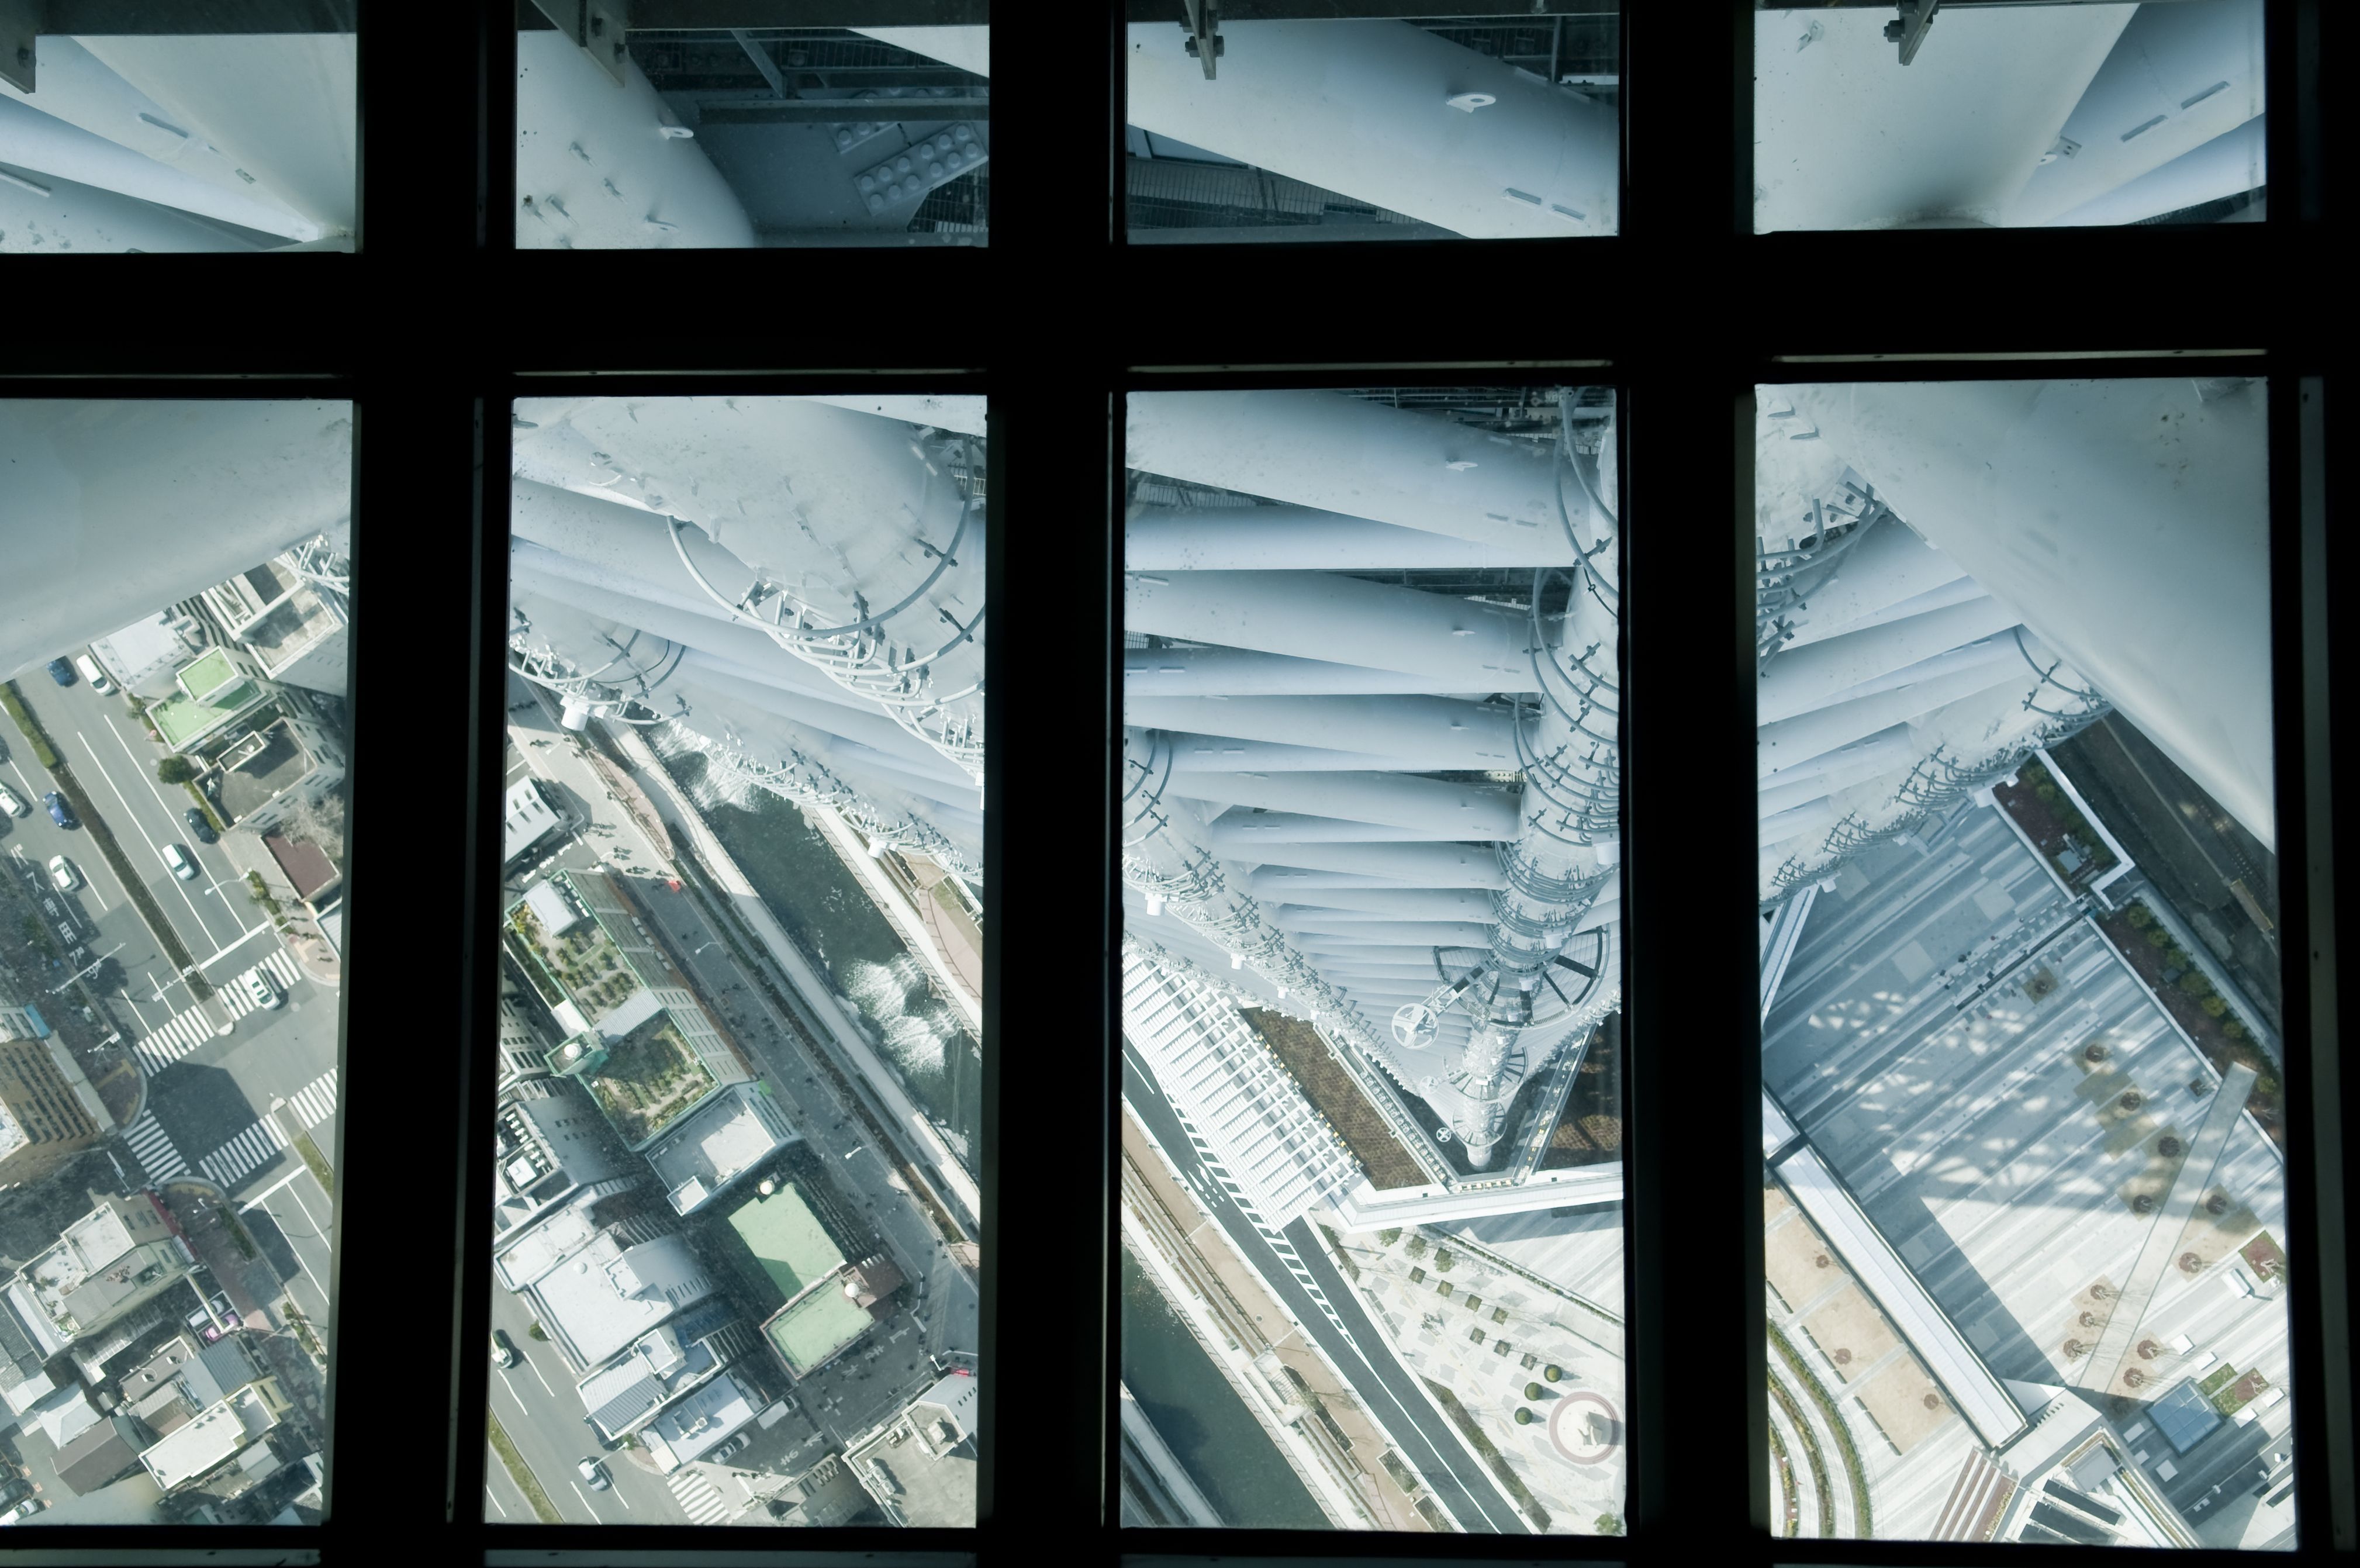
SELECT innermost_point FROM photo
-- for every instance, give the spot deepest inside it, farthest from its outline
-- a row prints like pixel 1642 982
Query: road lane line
pixel 133 817
pixel 585 1502
pixel 256 1201
pixel 540 1379
pixel 496 1502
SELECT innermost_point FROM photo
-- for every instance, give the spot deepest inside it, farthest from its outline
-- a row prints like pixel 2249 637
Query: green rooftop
pixel 786 1241
pixel 180 720
pixel 810 1330
pixel 207 675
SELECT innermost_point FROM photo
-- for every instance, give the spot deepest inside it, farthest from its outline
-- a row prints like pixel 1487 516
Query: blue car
pixel 60 813
pixel 61 672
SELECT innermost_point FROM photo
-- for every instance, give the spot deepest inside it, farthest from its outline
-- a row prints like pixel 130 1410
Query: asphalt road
pixel 543 1415
pixel 1386 1388
pixel 115 763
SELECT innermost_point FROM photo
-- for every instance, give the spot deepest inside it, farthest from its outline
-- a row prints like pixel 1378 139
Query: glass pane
pixel 2024 1115
pixel 170 137
pixel 688 138
pixel 2008 116
pixel 171 798
pixel 1372 1146
pixel 1490 128
pixel 744 861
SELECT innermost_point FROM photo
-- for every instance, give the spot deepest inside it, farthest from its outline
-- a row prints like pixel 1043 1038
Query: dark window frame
pixel 438 321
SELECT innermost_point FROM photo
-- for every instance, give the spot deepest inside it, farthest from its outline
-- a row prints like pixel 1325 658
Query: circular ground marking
pixel 1570 1424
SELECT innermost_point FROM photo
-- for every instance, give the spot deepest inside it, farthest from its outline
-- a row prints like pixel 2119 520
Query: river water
pixel 824 906
pixel 1216 1439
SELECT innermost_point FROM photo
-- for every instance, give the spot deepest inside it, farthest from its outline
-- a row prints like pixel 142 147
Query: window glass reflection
pixel 2024 1112
pixel 1371 1162
pixel 1490 128
pixel 737 1232
pixel 2016 117
pixel 186 140
pixel 700 138
pixel 175 627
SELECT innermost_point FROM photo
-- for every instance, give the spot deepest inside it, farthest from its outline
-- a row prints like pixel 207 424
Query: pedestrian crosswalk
pixel 251 1149
pixel 154 1149
pixel 316 1101
pixel 185 1031
pixel 699 1499
pixel 259 1143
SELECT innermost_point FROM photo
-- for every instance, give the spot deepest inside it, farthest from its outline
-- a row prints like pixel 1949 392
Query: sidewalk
pixel 302 937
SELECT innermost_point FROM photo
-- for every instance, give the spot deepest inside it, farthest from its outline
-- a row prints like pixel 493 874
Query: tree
pixel 1609 1525
pixel 1532 1391
pixel 176 771
pixel 1387 1237
pixel 1524 1417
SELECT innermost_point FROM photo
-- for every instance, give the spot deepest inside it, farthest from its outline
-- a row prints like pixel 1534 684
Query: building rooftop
pixel 811 1329
pixel 785 1240
pixel 305 865
pixel 262 767
pixel 526 818
pixel 603 1296
pixel 212 692
pixel 144 653
pixel 924 1475
pixel 719 1143
pixel 702 1419
pixel 214 1438
pixel 656 1369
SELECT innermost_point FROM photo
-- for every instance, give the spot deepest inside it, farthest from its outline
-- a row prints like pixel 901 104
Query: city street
pixel 1358 1349
pixel 213 916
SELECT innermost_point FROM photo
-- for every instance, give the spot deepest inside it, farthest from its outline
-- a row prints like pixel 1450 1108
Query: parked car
pixel 15 1491
pixel 60 812
pixel 61 672
pixel 202 825
pixel 504 1350
pixel 258 986
pixel 11 803
pixel 24 1510
pixel 62 872
pixel 594 1473
pixel 177 859
pixel 735 1446
pixel 92 673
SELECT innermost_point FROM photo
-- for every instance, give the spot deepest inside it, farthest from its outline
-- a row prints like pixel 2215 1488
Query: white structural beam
pixel 1365 459
pixel 2178 77
pixel 1476 647
pixel 605 167
pixel 1847 138
pixel 1366 108
pixel 1406 865
pixel 2231 163
pixel 1295 538
pixel 34 141
pixel 1241 672
pixel 1469 811
pixel 172 496
pixel 1483 734
pixel 2126 521
pixel 281 107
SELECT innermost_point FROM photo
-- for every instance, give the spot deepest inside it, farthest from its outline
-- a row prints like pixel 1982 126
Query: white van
pixel 92 673
pixel 177 859
pixel 10 803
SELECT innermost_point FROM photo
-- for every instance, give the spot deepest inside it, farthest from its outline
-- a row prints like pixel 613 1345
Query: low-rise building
pixel 527 817
pixel 103 1452
pixel 292 612
pixel 714 1146
pixel 123 1254
pixel 284 760
pixel 663 1365
pixel 144 656
pixel 694 1426
pixel 226 1432
pixel 549 1143
pixel 921 1466
pixel 596 1284
pixel 211 692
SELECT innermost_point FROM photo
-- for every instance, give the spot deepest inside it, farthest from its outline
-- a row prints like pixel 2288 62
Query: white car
pixel 177 859
pixel 258 986
pixel 594 1473
pixel 24 1510
pixel 92 673
pixel 10 803
pixel 62 872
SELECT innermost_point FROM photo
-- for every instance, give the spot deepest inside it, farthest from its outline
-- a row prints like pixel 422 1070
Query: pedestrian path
pixel 188 1029
pixel 154 1149
pixel 699 1499
pixel 316 1101
pixel 250 1150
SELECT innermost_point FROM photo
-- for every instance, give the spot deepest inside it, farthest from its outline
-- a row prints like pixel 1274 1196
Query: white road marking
pixel 255 1202
pixel 495 1501
pixel 133 818
pixel 153 1148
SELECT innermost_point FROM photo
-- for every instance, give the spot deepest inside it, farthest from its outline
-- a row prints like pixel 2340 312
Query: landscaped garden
pixel 583 964
pixel 2184 992
pixel 651 1076
pixel 2054 824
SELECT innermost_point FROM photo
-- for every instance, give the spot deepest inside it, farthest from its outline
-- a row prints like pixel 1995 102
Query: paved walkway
pixel 2117 1345
pixel 1842 1520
